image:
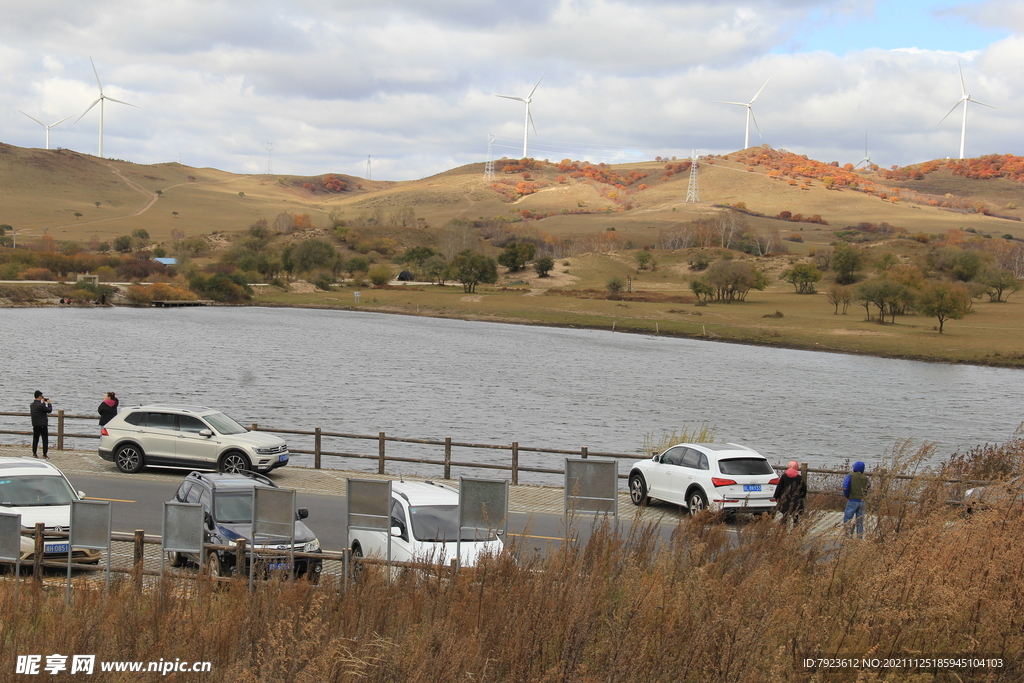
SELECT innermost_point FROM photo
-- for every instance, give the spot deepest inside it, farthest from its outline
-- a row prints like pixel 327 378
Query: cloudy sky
pixel 412 83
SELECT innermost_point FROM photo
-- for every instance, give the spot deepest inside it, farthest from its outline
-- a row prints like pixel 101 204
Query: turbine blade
pixel 94 103
pixel 538 83
pixel 963 86
pixel 530 116
pixel 969 99
pixel 510 97
pixel 35 119
pixel 949 112
pixel 754 119
pixel 738 104
pixel 97 75
pixel 122 102
pixel 62 120
pixel 759 91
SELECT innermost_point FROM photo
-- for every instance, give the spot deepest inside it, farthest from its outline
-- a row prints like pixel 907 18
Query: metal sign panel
pixel 369 504
pixel 273 511
pixel 483 504
pixel 183 527
pixel 10 537
pixel 90 524
pixel 591 485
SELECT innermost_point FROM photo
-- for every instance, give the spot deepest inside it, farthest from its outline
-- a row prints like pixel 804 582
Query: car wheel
pixel 696 501
pixel 129 458
pixel 213 568
pixel 234 462
pixel 175 559
pixel 638 489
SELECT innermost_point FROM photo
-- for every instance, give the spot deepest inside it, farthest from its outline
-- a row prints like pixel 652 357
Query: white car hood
pixel 50 515
pixel 471 551
pixel 257 439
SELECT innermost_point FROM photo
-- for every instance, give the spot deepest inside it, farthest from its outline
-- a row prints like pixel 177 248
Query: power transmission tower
pixel 270 167
pixel 368 167
pixel 489 166
pixel 692 193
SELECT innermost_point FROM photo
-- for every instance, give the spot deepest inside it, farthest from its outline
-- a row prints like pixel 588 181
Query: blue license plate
pixel 55 548
pixel 751 487
pixel 274 566
pixel 283 458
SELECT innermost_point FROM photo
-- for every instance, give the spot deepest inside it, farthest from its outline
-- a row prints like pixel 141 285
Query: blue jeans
pixel 854 508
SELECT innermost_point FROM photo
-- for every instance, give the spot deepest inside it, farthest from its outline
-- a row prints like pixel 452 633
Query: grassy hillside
pixel 42 190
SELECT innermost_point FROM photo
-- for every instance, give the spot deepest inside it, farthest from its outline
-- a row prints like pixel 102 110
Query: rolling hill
pixel 75 196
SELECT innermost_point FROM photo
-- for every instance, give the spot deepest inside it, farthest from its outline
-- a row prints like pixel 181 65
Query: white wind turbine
pixel 965 98
pixel 529 119
pixel 47 127
pixel 100 100
pixel 867 159
pixel 750 114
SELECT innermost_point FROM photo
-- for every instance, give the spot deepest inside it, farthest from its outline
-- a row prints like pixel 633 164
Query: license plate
pixel 751 487
pixel 274 566
pixel 55 548
pixel 283 458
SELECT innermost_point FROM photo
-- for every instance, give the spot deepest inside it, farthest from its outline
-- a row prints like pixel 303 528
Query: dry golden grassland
pixel 712 605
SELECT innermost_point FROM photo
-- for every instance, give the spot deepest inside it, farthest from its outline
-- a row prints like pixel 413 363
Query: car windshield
pixel 440 523
pixel 233 508
pixel 739 466
pixel 30 490
pixel 224 424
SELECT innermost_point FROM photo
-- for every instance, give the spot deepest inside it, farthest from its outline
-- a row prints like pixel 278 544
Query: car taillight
pixel 722 482
pixel 104 432
pixel 774 481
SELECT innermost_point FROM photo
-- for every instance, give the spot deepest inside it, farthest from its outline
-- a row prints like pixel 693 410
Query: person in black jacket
pixel 791 492
pixel 108 409
pixel 38 410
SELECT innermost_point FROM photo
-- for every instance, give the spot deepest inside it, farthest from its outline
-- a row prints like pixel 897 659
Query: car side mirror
pixel 657 458
pixel 209 520
pixel 303 513
pixel 396 531
pixel 205 432
pixel 81 494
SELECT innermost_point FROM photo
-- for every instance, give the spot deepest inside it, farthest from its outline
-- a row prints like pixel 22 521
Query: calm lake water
pixel 479 382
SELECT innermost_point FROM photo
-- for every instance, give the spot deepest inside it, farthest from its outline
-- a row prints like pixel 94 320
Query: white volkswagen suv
pixel 187 436
pixel 425 528
pixel 726 477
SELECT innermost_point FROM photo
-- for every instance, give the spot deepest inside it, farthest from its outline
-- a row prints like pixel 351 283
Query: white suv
pixel 726 477
pixel 187 436
pixel 39 492
pixel 424 528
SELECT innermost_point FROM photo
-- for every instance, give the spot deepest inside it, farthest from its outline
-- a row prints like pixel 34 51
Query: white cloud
pixel 413 83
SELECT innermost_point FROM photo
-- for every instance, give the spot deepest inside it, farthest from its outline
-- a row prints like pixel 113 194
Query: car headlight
pixel 312 547
pixel 265 450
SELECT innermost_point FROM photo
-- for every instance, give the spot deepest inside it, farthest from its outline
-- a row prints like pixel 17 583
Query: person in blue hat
pixel 855 488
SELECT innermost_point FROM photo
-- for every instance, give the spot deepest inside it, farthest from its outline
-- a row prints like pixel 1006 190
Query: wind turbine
pixel 965 98
pixel 867 159
pixel 750 114
pixel 100 100
pixel 529 119
pixel 47 127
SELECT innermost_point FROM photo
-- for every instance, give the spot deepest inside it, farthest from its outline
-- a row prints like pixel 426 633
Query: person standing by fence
pixel 39 409
pixel 108 408
pixel 855 488
pixel 791 492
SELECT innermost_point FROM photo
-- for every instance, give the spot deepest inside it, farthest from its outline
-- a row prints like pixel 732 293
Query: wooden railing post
pixel 515 463
pixel 380 453
pixel 60 430
pixel 37 554
pixel 447 457
pixel 583 452
pixel 255 427
pixel 239 558
pixel 139 555
pixel 316 449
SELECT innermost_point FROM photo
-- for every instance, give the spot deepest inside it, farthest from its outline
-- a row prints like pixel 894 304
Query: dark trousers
pixel 40 432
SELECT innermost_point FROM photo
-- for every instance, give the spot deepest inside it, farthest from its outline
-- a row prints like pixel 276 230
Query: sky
pixel 408 88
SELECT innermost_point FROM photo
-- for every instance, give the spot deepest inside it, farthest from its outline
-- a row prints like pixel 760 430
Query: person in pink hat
pixel 791 492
